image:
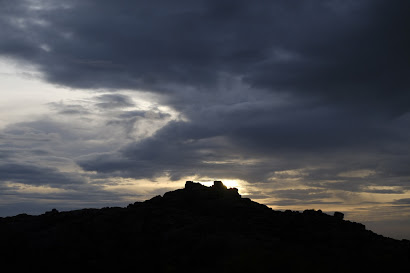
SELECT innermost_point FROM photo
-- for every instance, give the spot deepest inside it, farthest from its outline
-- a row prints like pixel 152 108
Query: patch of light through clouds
pixel 25 98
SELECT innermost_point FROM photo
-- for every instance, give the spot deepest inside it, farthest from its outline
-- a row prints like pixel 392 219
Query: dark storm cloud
pixel 36 176
pixel 170 152
pixel 110 101
pixel 5 153
pixel 291 84
pixel 404 201
pixel 354 52
pixel 386 191
pixel 209 148
pixel 157 114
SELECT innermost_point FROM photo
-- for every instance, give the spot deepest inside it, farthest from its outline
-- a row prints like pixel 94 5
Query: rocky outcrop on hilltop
pixel 200 229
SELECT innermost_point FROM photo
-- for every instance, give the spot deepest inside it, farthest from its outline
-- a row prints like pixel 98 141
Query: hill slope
pixel 201 229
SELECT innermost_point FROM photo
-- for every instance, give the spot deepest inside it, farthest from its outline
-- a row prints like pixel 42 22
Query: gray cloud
pixel 35 175
pixel 260 88
pixel 70 109
pixel 385 191
pixel 302 194
pixel 356 54
pixel 404 201
pixel 109 101
pixel 292 202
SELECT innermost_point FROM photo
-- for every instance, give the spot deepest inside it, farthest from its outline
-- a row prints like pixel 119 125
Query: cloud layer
pixel 310 99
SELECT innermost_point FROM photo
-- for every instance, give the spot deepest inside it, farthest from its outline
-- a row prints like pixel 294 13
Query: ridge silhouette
pixel 196 229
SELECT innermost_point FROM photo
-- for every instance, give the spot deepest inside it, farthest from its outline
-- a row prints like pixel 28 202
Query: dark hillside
pixel 200 229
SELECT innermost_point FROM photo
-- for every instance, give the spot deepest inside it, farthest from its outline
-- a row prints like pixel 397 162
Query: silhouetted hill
pixel 196 229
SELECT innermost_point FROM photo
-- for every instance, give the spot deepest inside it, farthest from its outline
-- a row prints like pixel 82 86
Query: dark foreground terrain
pixel 196 229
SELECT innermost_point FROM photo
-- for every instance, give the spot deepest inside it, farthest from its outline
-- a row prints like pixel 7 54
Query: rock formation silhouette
pixel 196 229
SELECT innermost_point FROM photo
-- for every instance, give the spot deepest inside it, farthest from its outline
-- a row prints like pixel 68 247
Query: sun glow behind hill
pixel 227 183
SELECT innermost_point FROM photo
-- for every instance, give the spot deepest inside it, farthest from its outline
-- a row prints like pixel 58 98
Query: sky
pixel 298 104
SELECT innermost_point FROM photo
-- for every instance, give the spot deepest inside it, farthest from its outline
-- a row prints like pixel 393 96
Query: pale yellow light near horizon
pixel 229 183
pixel 147 189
